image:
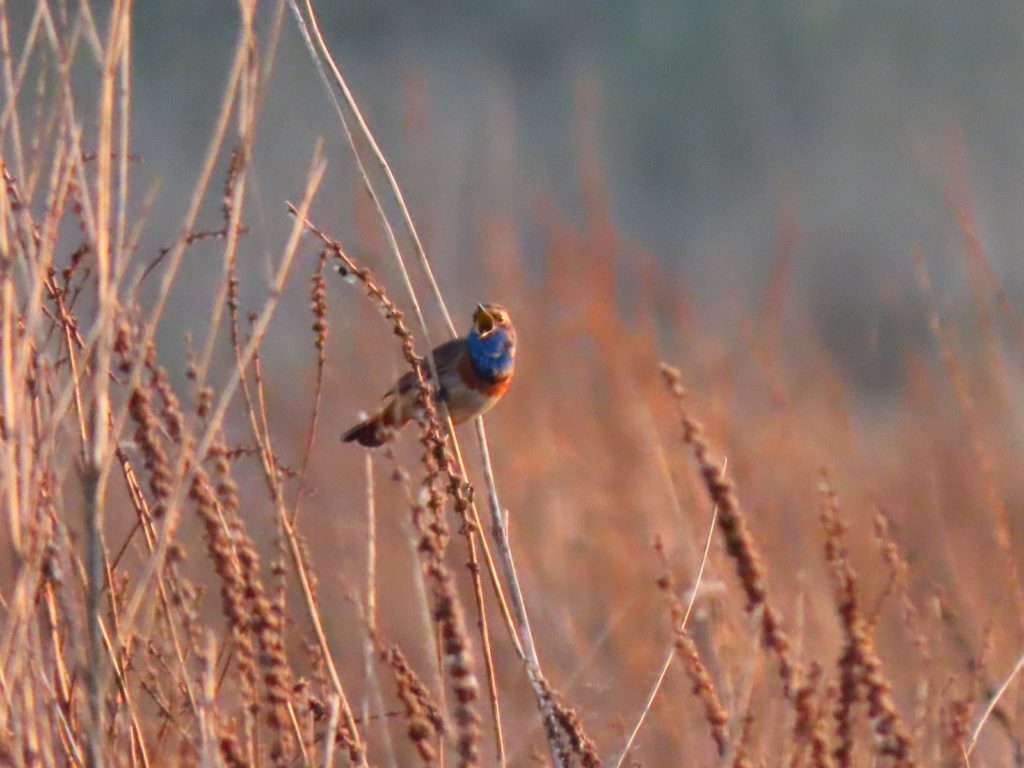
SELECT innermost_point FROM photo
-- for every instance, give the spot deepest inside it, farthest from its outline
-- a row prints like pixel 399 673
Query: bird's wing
pixel 446 358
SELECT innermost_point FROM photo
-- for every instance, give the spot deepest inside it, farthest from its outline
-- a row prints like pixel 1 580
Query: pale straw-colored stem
pixel 672 651
pixel 991 705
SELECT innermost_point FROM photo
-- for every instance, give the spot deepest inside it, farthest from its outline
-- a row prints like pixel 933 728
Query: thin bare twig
pixel 672 651
pixel 991 705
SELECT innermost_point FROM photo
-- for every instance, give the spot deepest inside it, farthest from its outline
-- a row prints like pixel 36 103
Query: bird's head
pixel 492 342
pixel 488 318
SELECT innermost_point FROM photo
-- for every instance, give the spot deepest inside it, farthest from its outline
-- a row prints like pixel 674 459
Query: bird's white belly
pixel 465 403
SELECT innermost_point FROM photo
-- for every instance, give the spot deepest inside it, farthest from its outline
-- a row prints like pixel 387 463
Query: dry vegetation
pixel 194 571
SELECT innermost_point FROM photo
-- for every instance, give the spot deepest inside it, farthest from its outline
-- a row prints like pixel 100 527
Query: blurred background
pixel 737 188
pixel 714 125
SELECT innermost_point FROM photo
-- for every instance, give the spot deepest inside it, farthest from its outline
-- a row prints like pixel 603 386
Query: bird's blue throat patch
pixel 492 356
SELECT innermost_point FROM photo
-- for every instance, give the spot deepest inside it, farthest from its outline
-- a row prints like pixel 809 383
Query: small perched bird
pixel 474 373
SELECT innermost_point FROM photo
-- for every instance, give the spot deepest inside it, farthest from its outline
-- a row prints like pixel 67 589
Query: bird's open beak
pixel 482 320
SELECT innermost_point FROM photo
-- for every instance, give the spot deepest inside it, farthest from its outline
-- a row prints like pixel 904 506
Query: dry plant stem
pixel 423 716
pixel 672 651
pixel 389 232
pixel 94 474
pixel 961 389
pixel 234 196
pixel 424 261
pixel 739 748
pixel 991 705
pixel 7 339
pixel 510 623
pixel 739 541
pixel 124 111
pixel 958 199
pixel 393 243
pixel 93 555
pixel 18 430
pixel 533 663
pixel 224 552
pixel 100 332
pixel 396 190
pixel 860 665
pixel 550 709
pixel 469 529
pixel 9 119
pixel 20 433
pixel 10 112
pixel 472 525
pixel 82 198
pixel 332 727
pixel 213 424
pixel 318 303
pixel 429 517
pixel 385 223
pixel 371 548
pixel 177 251
pixel 357 751
pixel 401 476
pixel 809 729
pixel 370 610
pixel 108 651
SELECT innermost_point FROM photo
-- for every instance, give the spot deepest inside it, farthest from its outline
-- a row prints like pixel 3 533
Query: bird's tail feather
pixel 369 433
pixel 379 428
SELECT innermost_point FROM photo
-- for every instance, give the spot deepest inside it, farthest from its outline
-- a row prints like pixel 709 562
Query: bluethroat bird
pixel 474 372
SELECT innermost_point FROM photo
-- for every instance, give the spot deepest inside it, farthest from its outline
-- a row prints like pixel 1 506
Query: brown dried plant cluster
pixel 192 573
